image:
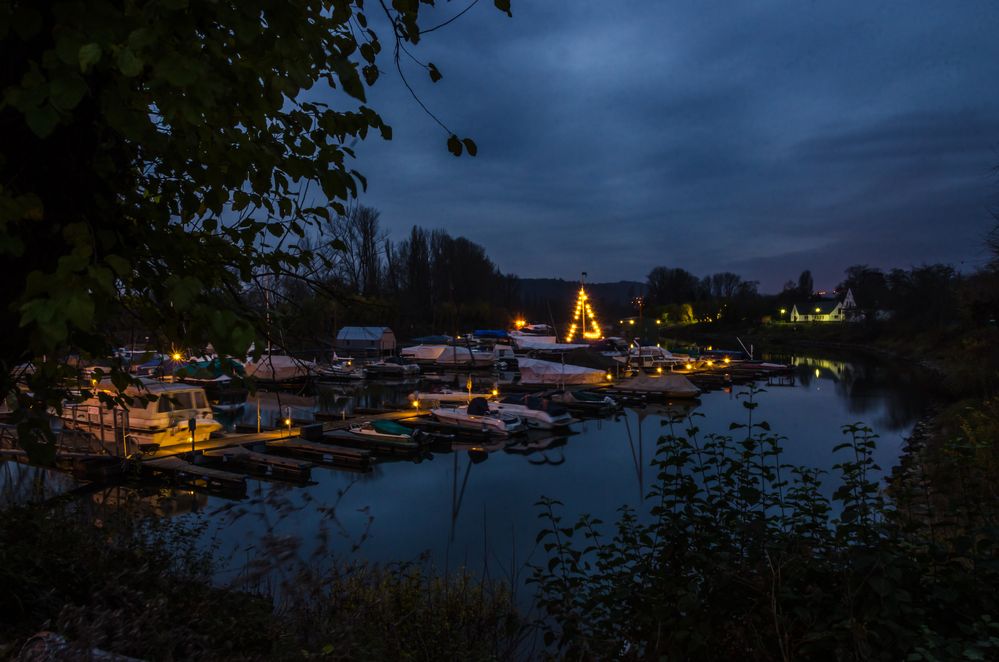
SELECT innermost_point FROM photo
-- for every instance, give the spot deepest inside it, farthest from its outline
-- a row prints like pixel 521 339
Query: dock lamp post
pixel 192 425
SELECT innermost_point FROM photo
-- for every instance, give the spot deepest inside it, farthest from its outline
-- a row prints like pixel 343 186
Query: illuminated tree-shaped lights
pixel 584 320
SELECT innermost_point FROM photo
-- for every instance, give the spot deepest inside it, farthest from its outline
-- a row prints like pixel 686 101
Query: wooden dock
pixel 268 465
pixel 327 454
pixel 186 472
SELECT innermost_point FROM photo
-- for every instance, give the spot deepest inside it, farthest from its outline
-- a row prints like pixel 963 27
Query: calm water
pixel 481 513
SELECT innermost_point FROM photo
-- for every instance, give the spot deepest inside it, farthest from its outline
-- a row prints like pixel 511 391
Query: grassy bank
pixel 145 589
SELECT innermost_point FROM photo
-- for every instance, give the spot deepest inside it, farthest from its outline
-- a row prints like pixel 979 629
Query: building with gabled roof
pixel 365 341
pixel 826 310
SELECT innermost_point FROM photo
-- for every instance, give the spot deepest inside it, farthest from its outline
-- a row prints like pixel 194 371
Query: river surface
pixel 478 510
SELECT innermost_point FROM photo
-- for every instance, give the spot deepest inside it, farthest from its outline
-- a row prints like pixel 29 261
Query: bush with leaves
pixel 159 157
pixel 740 556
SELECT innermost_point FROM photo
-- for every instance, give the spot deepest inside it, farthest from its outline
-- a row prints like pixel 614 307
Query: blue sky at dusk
pixel 762 138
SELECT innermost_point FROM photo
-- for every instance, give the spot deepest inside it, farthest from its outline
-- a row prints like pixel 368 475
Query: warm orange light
pixel 728 360
pixel 520 323
pixel 495 392
pixel 659 370
pixel 175 356
pixel 287 422
pixel 416 404
pixel 610 377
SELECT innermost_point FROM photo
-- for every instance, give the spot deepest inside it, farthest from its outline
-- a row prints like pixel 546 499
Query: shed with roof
pixel 365 341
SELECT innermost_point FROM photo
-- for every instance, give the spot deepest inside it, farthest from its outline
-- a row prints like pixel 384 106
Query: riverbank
pixel 144 589
pixel 949 459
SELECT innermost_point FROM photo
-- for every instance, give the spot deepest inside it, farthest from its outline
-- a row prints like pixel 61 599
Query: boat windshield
pixel 181 400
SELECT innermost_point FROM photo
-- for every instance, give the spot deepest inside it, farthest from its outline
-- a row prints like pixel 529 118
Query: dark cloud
pixel 765 139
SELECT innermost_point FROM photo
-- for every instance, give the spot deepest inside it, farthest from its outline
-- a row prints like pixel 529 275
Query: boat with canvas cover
pixel 384 431
pixel 582 400
pixel 668 385
pixel 386 437
pixel 280 369
pixel 221 377
pixel 476 415
pixel 548 373
pixel 536 411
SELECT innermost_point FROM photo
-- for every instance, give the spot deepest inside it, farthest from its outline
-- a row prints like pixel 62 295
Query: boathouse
pixel 365 341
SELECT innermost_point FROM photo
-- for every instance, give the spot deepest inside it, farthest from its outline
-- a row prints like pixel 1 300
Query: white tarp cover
pixel 536 371
pixel 279 368
pixel 526 342
pixel 423 352
pixel 455 354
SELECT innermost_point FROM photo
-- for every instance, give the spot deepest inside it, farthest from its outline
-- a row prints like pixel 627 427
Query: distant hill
pixel 610 300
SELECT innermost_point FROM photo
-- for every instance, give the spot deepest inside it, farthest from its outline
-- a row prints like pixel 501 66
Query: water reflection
pixel 896 393
pixel 478 504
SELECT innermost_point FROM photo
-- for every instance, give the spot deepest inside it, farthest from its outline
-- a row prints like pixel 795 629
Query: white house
pixel 826 310
pixel 365 341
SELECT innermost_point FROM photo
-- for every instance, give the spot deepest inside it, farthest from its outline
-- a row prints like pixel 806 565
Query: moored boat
pixel 536 412
pixel 392 368
pixel 156 414
pixel 477 416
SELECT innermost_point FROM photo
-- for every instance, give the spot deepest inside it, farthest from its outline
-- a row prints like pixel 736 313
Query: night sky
pixel 758 137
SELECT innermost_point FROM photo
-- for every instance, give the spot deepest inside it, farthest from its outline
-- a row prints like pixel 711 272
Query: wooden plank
pixel 184 469
pixel 243 455
pixel 320 452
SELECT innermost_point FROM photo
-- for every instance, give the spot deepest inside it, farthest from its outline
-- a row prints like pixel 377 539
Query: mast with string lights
pixel 584 320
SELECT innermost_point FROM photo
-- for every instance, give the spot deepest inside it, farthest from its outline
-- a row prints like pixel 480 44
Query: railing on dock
pixel 110 427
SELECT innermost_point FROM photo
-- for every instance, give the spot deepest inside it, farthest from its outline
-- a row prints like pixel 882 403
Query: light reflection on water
pixel 475 507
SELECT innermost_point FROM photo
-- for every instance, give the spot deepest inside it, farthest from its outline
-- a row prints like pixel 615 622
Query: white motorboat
pixel 341 369
pixel 392 369
pixel 651 358
pixel 448 356
pixel 532 334
pixel 536 412
pixel 582 400
pixel 163 421
pixel 476 415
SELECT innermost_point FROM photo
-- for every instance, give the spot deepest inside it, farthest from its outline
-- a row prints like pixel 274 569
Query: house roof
pixel 362 332
pixel 822 307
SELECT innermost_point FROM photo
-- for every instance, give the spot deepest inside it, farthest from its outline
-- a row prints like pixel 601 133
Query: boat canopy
pixel 490 333
pixel 390 427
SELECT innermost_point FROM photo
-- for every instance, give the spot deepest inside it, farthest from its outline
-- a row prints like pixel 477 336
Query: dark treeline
pixel 927 296
pixel 430 282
